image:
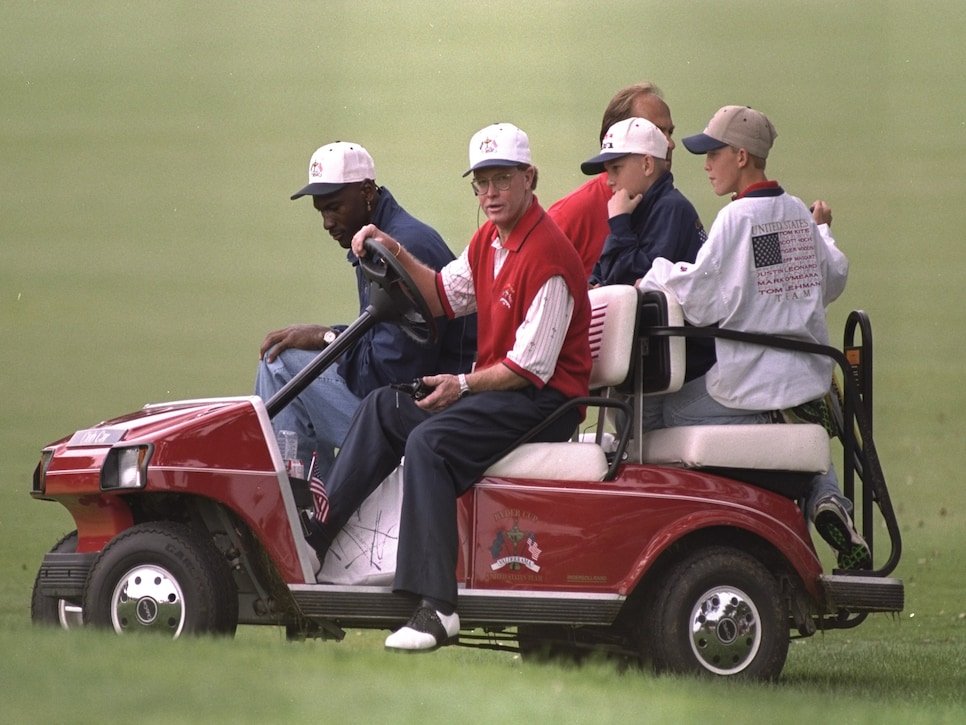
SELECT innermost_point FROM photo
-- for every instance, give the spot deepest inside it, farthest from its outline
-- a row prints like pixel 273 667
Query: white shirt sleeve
pixel 836 268
pixel 698 286
pixel 541 335
pixel 457 279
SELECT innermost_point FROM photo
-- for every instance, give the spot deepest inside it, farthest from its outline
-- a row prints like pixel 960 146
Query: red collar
pixel 756 187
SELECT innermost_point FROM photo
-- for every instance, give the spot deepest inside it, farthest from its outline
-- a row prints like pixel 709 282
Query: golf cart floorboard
pixel 476 607
pixel 863 593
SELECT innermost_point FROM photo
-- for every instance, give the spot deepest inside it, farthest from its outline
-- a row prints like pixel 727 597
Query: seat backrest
pixel 662 357
pixel 613 326
pixel 613 323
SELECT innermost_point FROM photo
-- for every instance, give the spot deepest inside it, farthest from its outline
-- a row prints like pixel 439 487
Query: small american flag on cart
pixel 320 501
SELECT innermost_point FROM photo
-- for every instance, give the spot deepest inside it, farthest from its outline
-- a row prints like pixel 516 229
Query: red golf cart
pixel 685 548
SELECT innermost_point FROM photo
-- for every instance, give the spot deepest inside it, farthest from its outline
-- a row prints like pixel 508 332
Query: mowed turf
pixel 147 243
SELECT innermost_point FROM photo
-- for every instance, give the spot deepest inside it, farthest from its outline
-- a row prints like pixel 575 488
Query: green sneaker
pixel 834 524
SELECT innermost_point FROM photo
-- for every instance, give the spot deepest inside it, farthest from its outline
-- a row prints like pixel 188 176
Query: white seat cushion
pixel 778 447
pixel 568 461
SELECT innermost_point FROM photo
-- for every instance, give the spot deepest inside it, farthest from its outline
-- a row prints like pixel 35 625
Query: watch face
pixel 329 337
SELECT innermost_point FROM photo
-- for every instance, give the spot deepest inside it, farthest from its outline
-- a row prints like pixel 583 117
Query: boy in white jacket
pixel 769 266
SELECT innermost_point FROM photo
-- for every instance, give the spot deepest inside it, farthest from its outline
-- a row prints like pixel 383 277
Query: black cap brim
pixel 595 166
pixel 701 143
pixel 317 190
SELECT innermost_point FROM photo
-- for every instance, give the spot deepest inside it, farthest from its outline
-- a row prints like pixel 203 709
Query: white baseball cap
pixel 501 144
pixel 630 136
pixel 335 165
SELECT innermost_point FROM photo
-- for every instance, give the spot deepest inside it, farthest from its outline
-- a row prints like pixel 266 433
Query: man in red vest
pixel 526 283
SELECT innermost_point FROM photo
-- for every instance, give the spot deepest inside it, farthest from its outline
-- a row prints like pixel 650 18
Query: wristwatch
pixel 329 337
pixel 464 386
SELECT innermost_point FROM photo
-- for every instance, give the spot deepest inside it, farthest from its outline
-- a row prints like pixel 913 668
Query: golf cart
pixel 685 548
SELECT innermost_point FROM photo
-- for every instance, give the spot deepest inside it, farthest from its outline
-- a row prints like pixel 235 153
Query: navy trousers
pixel 445 454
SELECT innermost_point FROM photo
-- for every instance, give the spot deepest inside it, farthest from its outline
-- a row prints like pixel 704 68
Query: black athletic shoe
pixel 834 524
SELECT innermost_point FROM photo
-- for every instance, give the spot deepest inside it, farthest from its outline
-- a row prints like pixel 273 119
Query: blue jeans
pixel 320 415
pixel 693 405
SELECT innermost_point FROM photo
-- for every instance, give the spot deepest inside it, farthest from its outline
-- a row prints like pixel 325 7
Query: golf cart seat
pixel 780 447
pixel 613 323
pixel 783 457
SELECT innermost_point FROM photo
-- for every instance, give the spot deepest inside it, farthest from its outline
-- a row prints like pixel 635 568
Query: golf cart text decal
pixel 513 547
pixel 96 437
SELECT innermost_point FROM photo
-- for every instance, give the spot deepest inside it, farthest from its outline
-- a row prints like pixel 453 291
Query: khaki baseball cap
pixel 738 126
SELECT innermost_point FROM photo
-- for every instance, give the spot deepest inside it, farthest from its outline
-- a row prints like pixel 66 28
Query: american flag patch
pixel 768 250
pixel 532 547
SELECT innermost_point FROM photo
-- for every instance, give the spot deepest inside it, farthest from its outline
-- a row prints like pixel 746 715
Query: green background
pixel 147 244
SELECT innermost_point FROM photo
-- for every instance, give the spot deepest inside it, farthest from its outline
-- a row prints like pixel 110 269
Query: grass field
pixel 147 243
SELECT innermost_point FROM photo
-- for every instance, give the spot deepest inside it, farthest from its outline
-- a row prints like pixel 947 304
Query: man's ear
pixel 742 158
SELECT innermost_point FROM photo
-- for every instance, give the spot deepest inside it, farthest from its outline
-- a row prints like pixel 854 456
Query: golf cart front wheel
pixel 161 577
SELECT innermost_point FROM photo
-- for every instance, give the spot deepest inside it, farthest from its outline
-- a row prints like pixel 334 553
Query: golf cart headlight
pixel 126 468
pixel 40 472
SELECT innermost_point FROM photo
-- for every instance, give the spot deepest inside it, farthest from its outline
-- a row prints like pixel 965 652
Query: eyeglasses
pixel 500 183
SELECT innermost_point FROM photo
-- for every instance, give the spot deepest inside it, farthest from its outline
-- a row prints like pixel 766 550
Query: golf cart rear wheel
pixel 51 611
pixel 161 577
pixel 720 613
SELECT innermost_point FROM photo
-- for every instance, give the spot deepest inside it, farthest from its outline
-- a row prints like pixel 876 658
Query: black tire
pixel 718 612
pixel 51 611
pixel 161 577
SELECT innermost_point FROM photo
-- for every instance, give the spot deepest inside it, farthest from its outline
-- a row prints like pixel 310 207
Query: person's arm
pixel 533 359
pixel 623 258
pixel 423 277
pixel 299 336
pixel 835 269
pixel 698 285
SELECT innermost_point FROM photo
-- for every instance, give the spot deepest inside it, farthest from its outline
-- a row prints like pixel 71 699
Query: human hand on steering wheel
pixel 401 300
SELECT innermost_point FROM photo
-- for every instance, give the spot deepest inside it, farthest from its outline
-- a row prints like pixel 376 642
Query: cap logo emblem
pixel 487 146
pixel 315 169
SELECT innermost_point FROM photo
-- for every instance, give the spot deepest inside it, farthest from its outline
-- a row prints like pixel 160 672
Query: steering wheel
pixel 395 296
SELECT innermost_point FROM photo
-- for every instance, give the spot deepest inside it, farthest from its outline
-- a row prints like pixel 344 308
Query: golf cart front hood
pixel 214 433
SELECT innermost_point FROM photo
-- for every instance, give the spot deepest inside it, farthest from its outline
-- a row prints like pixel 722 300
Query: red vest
pixel 538 250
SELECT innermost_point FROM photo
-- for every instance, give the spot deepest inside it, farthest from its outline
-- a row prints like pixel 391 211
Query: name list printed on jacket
pixel 785 259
